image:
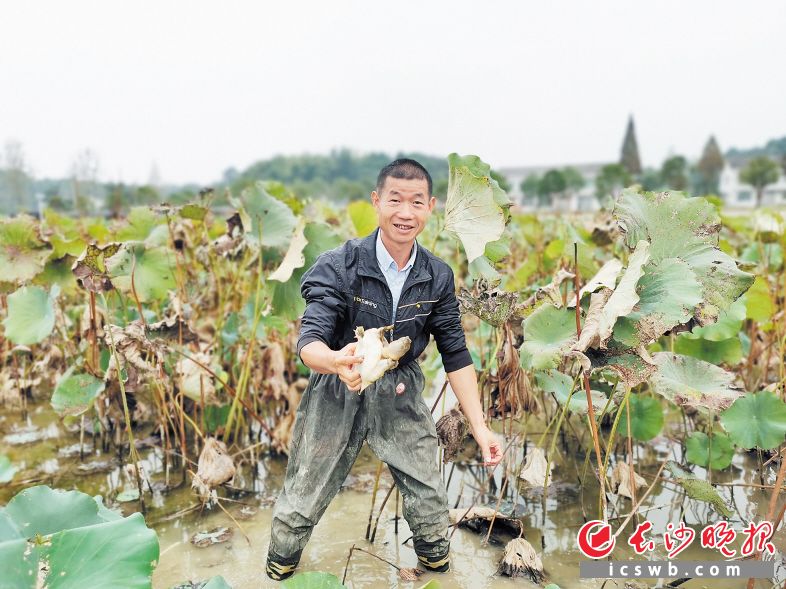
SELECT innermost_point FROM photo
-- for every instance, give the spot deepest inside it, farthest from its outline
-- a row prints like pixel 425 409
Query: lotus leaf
pixel 265 218
pixel 363 216
pixel 152 269
pixel 476 207
pixel 75 392
pixel 646 418
pixel 548 334
pixel 294 258
pixel 22 253
pixel 757 420
pixel 31 314
pixel 700 452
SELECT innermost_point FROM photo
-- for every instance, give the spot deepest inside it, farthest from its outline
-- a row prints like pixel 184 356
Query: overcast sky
pixel 198 86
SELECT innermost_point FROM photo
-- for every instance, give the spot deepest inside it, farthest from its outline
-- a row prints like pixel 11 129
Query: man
pixel 383 279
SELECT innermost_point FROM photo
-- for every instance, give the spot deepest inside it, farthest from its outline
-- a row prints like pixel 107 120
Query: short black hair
pixel 405 169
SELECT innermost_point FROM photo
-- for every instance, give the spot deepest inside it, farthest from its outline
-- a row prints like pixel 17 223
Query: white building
pixel 738 194
pixel 583 199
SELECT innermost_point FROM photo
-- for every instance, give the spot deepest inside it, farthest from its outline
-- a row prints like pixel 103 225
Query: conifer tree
pixel 630 150
pixel 709 168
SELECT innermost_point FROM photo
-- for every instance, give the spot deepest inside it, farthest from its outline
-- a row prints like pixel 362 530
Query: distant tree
pixel 574 181
pixel 611 179
pixel 552 183
pixel 146 195
pixel 760 172
pixel 529 185
pixel 674 173
pixel 629 157
pixel 84 178
pixel 17 187
pixel 116 199
pixel 651 180
pixel 709 168
pixel 501 180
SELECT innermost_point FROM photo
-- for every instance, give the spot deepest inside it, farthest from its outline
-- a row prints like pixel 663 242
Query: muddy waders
pixel 330 427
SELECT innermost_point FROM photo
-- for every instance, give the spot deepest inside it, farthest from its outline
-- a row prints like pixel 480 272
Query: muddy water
pixel 47 453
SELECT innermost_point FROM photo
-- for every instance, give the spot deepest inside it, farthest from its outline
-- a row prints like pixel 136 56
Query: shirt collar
pixel 384 259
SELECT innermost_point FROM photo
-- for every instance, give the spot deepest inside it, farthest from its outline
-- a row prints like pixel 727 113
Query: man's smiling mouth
pixel 403 227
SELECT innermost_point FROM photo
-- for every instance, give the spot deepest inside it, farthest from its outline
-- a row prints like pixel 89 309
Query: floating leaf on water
pixel 22 253
pixel 478 519
pixel 521 560
pixel 127 495
pixel 7 469
pixel 690 382
pixel 313 580
pixel 31 314
pixel 75 392
pixel 757 420
pixel 476 208
pixel 698 450
pixel 699 489
pixel 86 544
pixel 534 470
pixel 646 418
pixel 620 480
pixel 210 537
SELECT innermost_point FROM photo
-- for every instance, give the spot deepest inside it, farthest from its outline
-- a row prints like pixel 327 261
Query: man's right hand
pixel 344 362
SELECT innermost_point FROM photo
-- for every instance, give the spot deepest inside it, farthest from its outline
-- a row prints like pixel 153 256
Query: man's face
pixel 403 207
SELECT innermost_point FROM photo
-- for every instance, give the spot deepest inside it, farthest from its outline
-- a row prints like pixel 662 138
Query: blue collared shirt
pixel 394 277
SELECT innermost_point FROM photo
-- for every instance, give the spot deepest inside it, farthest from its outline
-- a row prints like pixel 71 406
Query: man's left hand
pixel 489 445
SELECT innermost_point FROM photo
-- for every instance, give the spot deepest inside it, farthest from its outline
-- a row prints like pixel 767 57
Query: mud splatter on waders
pixel 345 288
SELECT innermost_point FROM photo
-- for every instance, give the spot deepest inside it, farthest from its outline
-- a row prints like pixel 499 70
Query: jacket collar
pixel 368 266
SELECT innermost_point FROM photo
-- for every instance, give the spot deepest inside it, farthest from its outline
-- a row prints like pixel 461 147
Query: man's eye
pixel 418 203
pixel 394 200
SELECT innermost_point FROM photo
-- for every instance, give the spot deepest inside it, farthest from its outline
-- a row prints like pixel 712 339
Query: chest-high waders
pixel 331 425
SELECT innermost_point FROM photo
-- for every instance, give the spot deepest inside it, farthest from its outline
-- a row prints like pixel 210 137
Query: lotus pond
pixel 632 361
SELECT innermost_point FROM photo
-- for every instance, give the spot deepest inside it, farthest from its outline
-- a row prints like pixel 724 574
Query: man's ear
pixel 374 198
pixel 432 202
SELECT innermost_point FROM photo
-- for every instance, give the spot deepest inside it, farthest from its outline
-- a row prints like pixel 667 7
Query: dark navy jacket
pixel 345 288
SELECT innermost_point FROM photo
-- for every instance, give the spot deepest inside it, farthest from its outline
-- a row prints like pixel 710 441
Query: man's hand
pixel 344 365
pixel 489 445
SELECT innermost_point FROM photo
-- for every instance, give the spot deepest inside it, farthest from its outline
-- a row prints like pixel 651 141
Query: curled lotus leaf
pixel 294 258
pixel 476 208
pixel 606 277
pixel 90 267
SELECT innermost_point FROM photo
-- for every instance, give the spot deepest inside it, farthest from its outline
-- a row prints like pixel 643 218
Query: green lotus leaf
pixel 152 269
pixel 548 334
pixel 141 222
pixel 759 305
pixel 691 382
pixel 757 420
pixel 496 251
pixel 476 207
pixel 363 216
pixel 287 302
pixel 265 218
pixel 75 392
pixel 727 351
pixel 22 253
pixel 684 228
pixel 699 450
pixel 313 580
pixel 86 545
pixel 7 469
pixel 769 255
pixel 646 418
pixel 31 315
pixel 668 294
pixel 58 271
pixel 193 211
pixel 62 246
pixel 552 381
pixel 699 489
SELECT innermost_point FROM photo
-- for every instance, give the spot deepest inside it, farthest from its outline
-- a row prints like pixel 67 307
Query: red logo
pixel 595 539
